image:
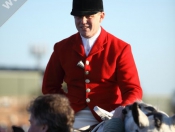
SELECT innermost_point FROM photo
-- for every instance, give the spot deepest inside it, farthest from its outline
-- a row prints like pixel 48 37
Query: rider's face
pixel 88 25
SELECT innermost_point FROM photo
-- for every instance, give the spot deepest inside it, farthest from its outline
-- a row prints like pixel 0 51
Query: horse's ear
pixel 139 117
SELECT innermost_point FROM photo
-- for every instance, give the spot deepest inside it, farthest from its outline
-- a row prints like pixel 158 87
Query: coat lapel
pixel 78 45
pixel 100 42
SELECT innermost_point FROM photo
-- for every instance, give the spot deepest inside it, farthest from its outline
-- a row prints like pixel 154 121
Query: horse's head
pixel 141 117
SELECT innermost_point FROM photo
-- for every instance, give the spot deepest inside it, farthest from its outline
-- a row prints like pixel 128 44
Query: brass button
pixel 86 72
pixel 88 100
pixel 87 62
pixel 88 90
pixel 87 81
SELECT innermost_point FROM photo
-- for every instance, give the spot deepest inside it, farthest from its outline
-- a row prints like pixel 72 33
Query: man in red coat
pixel 98 68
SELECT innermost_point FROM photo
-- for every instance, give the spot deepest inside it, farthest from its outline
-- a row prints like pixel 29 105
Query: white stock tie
pixel 88 48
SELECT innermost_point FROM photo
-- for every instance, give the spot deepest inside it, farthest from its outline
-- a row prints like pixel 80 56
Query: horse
pixel 139 117
pixel 142 117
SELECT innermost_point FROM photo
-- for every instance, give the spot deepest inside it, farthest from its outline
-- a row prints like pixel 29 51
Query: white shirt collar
pixel 92 39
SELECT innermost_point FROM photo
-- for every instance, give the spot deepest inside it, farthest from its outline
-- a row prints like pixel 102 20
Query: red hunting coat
pixel 109 77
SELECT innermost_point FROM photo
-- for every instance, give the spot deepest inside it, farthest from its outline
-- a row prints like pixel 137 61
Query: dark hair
pixel 53 110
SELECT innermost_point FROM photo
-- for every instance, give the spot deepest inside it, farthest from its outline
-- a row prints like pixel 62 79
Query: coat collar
pixel 97 47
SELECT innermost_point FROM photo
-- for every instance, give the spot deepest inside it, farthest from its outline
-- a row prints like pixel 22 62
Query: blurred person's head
pixel 51 113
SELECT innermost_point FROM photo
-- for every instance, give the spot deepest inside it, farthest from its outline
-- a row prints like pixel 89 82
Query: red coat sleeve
pixel 53 76
pixel 128 78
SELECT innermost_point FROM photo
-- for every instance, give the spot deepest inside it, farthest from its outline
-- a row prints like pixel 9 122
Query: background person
pixel 51 113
